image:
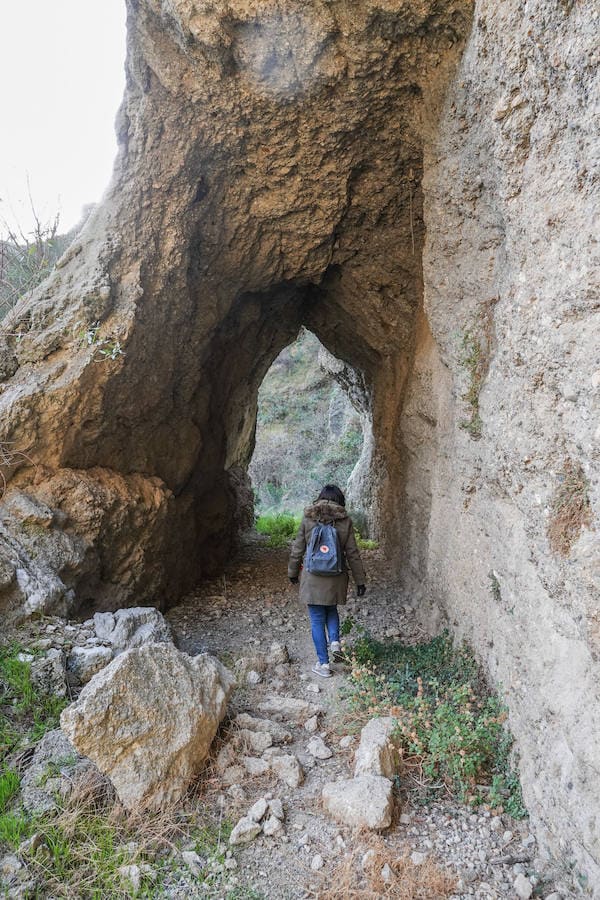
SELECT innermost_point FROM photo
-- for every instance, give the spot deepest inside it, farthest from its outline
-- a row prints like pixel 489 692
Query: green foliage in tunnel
pixel 280 527
pixel 307 434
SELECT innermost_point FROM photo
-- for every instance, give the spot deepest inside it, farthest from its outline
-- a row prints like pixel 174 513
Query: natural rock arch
pixel 276 169
pixel 246 202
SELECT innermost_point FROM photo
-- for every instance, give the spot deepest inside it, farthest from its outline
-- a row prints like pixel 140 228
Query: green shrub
pixel 281 527
pixel 365 543
pixel 450 727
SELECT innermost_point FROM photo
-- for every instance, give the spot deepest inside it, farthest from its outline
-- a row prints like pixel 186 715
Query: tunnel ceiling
pixel 269 176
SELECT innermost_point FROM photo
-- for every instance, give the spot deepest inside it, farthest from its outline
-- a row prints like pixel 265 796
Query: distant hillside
pixel 307 431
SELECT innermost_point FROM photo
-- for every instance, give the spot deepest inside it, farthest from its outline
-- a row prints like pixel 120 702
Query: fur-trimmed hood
pixel 325 510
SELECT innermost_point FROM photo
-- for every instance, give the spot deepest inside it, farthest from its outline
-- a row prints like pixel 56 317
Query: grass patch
pixel 15 827
pixel 25 714
pixel 570 509
pixel 451 732
pixel 80 849
pixel 9 787
pixel 280 527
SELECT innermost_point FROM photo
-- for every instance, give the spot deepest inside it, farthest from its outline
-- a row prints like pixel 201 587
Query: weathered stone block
pixel 376 754
pixel 148 719
pixel 365 801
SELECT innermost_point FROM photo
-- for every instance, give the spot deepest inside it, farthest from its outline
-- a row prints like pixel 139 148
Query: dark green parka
pixel 323 590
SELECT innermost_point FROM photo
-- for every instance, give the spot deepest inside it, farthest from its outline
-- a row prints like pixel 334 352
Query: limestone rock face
pixel 268 177
pixel 148 719
pixel 415 182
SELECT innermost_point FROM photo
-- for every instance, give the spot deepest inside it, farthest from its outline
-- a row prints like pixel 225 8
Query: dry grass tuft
pixel 571 510
pixel 349 881
pixel 79 851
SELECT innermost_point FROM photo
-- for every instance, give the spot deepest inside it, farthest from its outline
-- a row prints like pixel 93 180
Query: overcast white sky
pixel 62 79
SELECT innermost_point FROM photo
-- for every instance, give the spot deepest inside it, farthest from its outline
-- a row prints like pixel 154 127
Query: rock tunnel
pixel 379 172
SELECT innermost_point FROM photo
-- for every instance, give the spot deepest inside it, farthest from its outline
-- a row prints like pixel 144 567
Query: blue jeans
pixel 324 620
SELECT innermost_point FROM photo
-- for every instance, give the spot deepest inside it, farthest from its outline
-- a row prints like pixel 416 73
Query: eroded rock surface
pixel 363 802
pixel 278 164
pixel 376 753
pixel 148 719
pixel 134 627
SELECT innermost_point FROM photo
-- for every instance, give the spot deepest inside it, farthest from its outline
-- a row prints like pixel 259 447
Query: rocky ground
pixel 286 735
pixel 239 617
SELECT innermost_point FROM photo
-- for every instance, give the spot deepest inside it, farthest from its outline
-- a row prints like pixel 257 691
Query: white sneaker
pixel 322 669
pixel 336 651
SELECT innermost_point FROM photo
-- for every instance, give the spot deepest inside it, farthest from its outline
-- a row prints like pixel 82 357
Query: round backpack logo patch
pixel 324 548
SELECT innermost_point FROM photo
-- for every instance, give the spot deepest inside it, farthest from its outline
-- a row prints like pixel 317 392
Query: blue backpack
pixel 324 554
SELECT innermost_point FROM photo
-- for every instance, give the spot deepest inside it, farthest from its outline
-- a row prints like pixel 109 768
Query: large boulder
pixel 148 719
pixel 128 628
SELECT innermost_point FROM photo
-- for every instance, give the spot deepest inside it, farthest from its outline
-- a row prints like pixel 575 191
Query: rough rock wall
pixel 268 177
pixel 276 163
pixel 509 349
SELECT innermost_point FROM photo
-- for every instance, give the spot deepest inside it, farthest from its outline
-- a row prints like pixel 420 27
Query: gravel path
pixel 238 617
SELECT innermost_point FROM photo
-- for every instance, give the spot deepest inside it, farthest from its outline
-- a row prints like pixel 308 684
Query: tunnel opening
pixel 313 426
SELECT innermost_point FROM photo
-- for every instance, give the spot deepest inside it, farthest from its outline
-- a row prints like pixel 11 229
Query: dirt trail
pixel 240 615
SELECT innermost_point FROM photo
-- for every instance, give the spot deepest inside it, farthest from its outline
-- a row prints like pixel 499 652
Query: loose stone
pixel 272 826
pixel 245 830
pixel 257 812
pixel 276 807
pixel 365 801
pixel 288 769
pixel 319 749
pixel 255 766
pixel 387 875
pixel 523 887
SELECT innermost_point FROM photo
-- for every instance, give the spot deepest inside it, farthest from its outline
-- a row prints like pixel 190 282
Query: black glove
pixel 294 580
pixel 361 590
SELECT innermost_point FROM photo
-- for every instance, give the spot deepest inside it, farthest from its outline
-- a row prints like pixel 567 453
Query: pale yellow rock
pixel 148 719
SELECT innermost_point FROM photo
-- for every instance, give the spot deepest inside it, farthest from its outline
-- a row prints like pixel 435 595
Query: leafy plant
pixel 495 587
pixel 281 527
pixel 104 347
pixel 365 543
pixel 450 727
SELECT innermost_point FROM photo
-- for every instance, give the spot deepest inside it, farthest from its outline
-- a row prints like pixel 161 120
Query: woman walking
pixel 324 576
